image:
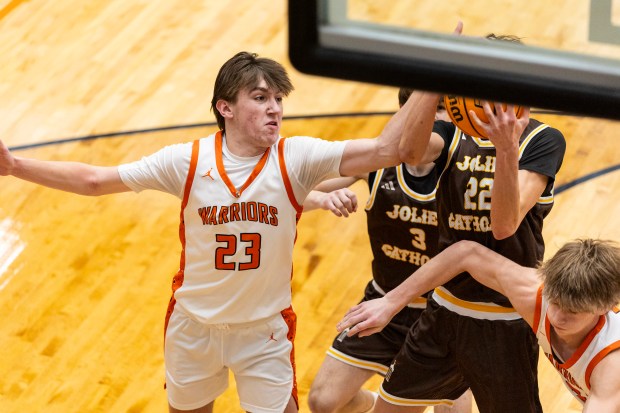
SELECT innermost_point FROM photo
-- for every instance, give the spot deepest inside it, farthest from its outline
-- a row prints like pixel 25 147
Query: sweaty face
pixel 256 117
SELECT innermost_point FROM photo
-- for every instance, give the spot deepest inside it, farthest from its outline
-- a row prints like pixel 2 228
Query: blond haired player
pixel 569 301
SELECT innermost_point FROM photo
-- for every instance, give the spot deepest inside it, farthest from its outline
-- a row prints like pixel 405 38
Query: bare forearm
pixel 418 126
pixel 505 195
pixel 73 177
pixel 488 267
pixel 338 183
pixel 485 266
pixel 441 269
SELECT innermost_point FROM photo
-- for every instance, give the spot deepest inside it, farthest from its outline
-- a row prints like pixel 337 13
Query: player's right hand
pixel 368 317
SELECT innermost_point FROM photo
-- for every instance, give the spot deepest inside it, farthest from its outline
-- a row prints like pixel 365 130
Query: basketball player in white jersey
pixel 569 301
pixel 241 192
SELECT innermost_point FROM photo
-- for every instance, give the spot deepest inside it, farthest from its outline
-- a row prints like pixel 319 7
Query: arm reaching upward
pixel 419 144
pixel 366 155
pixel 514 191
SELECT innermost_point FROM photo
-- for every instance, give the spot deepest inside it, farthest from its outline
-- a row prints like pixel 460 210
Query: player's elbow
pixel 92 184
pixel 466 255
pixel 501 232
pixel 408 154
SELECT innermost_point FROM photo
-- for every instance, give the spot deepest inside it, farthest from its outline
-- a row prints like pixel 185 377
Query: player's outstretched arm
pixel 519 284
pixel 73 177
pixel 418 145
pixel 605 386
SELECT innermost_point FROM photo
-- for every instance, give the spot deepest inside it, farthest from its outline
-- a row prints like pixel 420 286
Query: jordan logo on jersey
pixel 388 185
pixel 271 338
pixel 208 174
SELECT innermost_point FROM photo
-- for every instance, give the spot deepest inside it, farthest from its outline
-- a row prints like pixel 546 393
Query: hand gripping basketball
pixel 458 109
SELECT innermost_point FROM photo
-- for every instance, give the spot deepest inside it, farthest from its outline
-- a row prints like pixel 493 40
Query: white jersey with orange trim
pixel 239 219
pixel 603 339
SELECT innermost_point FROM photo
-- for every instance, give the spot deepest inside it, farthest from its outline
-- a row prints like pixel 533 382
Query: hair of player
pixel 246 70
pixel 583 276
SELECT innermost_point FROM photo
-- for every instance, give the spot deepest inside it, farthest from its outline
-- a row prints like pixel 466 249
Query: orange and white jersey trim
pixel 576 371
pixel 238 242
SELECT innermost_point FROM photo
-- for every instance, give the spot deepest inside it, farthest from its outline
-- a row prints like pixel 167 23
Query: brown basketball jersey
pixel 402 223
pixel 464 199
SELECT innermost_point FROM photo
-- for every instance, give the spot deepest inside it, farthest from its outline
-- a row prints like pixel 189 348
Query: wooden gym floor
pixel 84 282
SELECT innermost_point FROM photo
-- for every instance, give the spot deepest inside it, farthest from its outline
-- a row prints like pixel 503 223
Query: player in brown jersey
pixel 570 301
pixel 495 192
pixel 402 229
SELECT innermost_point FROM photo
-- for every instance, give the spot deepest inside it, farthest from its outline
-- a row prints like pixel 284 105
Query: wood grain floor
pixel 84 282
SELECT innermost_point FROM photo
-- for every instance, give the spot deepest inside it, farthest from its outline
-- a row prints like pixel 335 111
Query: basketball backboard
pixel 571 61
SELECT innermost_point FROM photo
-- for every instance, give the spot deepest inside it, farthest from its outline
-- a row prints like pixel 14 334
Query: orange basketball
pixel 458 109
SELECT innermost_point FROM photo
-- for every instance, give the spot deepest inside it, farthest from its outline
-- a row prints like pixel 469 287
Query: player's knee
pixel 320 401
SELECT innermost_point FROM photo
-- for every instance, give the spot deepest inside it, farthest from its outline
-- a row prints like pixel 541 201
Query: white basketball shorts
pixel 260 355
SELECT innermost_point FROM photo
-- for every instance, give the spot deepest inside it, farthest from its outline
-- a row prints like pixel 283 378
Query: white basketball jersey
pixel 236 262
pixel 576 371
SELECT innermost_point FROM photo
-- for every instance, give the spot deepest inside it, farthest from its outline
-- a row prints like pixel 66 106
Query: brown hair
pixel 583 276
pixel 403 95
pixel 246 70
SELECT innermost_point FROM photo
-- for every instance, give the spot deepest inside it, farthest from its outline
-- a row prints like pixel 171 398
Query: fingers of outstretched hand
pixel 363 329
pixel 359 320
pixel 349 200
pixel 474 116
pixel 342 202
pixel 525 115
pixel 6 160
pixel 458 29
pixel 350 318
pixel 334 206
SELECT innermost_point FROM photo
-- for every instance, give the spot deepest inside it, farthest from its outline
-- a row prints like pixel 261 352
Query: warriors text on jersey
pixel 238 220
pixel 576 371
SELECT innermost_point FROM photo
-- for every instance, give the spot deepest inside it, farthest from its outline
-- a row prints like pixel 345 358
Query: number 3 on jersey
pixel 251 244
pixel 419 238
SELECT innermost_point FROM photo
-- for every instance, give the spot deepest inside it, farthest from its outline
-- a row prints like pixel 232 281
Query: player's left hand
pixel 340 202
